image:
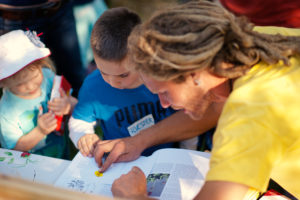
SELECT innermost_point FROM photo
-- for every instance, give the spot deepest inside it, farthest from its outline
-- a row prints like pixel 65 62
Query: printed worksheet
pixel 171 174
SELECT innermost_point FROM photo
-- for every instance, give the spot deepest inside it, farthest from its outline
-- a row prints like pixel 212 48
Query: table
pixel 35 168
pixel 43 169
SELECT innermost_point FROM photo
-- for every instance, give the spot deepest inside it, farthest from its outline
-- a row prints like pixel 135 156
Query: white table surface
pixel 43 169
pixel 36 168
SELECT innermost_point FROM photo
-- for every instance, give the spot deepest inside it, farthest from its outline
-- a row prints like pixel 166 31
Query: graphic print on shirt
pixel 135 112
pixel 141 124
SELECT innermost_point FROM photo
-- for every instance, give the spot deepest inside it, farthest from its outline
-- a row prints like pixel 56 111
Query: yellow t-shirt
pixel 258 133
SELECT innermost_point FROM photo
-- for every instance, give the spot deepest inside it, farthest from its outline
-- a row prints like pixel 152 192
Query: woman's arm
pixel 176 127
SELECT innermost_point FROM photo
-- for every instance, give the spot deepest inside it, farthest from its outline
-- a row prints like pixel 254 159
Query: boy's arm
pixel 83 136
pixel 176 127
pixel 79 128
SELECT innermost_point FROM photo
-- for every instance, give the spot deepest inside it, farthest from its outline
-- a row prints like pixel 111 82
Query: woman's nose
pixel 165 103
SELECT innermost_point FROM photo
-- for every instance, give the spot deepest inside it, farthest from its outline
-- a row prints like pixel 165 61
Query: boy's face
pixel 30 86
pixel 116 74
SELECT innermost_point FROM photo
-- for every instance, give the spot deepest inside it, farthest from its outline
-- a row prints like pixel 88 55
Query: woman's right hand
pixel 120 150
pixel 47 123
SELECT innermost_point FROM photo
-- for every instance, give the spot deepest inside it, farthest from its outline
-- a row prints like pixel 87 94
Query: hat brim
pixel 26 66
pixel 18 50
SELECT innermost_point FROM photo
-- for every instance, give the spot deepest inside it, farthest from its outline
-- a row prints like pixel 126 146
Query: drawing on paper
pixel 76 184
pixel 156 183
pixel 80 185
pixel 10 159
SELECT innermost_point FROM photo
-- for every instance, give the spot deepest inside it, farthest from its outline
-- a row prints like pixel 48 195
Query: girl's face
pixel 30 86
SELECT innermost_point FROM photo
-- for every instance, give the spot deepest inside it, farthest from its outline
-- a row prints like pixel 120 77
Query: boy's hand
pixel 46 123
pixel 62 105
pixel 86 144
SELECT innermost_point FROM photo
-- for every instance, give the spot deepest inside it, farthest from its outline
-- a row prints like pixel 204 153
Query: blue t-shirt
pixel 19 116
pixel 121 112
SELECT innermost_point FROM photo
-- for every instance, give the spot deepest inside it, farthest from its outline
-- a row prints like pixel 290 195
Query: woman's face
pixel 186 95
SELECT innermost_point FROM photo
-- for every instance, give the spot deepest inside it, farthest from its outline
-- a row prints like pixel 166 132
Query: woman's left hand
pixel 131 185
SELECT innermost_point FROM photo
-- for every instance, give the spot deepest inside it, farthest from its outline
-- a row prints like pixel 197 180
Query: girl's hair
pixel 201 34
pixel 38 64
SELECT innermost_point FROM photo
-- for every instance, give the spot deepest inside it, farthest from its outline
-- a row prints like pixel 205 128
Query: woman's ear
pixel 196 78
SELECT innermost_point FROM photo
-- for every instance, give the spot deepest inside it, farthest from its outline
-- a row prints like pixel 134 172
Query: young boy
pixel 112 94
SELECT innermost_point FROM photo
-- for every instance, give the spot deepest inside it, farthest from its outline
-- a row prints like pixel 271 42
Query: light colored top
pixel 18 117
pixel 258 133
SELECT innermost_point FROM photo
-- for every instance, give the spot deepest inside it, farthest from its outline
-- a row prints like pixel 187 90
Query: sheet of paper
pixel 31 167
pixel 177 174
pixel 81 176
pixel 171 174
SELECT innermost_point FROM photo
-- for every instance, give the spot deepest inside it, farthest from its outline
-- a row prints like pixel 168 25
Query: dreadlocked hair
pixel 201 34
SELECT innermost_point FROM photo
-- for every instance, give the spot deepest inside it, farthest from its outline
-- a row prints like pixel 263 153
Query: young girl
pixel 27 117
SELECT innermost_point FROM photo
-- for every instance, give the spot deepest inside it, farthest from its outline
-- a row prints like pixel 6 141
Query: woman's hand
pixel 131 185
pixel 120 150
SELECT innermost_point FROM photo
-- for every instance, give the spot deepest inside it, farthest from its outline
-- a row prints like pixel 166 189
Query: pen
pixel 98 173
pixel 105 155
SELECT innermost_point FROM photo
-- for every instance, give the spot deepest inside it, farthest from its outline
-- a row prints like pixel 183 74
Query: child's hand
pixel 86 144
pixel 46 123
pixel 62 105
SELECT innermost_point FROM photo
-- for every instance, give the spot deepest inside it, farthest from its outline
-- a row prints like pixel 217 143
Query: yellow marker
pixel 98 174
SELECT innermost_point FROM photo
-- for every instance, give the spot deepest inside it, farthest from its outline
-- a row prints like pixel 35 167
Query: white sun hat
pixel 18 49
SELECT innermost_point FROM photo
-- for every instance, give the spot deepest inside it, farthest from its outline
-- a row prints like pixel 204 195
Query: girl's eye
pixel 124 75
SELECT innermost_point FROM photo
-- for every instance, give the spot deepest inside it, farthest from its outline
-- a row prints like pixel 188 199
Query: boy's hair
pixel 38 64
pixel 111 31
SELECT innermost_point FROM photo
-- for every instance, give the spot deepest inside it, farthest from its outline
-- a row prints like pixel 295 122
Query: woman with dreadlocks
pixel 199 57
